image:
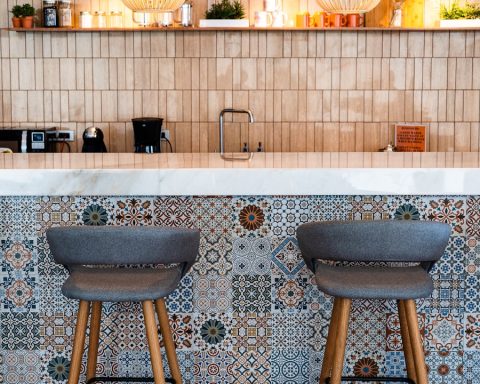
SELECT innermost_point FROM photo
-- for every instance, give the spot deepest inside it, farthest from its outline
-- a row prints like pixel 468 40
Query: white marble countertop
pixel 240 181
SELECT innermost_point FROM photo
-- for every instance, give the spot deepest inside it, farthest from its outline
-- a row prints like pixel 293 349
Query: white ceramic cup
pixel 263 19
pixel 269 5
pixel 279 19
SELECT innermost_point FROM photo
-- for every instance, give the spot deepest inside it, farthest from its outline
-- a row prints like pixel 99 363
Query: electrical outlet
pixel 62 135
pixel 166 134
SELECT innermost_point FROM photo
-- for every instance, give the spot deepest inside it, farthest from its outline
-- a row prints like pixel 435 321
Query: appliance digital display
pixel 37 137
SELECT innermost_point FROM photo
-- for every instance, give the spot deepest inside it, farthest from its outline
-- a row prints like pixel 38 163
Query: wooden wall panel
pixel 309 90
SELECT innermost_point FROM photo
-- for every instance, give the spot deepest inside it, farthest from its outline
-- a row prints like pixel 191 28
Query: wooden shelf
pixel 168 29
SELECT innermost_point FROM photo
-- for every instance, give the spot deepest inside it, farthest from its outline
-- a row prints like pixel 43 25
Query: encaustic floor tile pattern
pixel 248 311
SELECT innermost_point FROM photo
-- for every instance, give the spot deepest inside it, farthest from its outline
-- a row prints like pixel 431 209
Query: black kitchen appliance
pixel 26 140
pixel 147 132
pixel 93 140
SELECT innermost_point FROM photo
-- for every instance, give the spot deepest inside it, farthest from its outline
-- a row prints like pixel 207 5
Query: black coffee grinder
pixel 93 140
pixel 147 132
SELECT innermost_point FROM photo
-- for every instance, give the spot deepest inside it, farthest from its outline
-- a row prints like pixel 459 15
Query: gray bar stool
pixel 420 242
pixel 118 250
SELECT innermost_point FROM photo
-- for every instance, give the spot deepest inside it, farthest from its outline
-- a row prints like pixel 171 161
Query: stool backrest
pixel 111 245
pixel 373 241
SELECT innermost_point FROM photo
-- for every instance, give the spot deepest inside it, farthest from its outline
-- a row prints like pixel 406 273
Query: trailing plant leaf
pixel 226 9
pixel 455 12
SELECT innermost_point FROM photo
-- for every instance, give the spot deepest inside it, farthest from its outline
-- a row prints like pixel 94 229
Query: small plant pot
pixel 16 22
pixel 27 22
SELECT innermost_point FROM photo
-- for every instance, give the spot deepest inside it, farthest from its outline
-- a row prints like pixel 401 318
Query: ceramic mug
pixel 354 20
pixel 321 20
pixel 270 5
pixel 338 20
pixel 263 19
pixel 279 19
pixel 302 20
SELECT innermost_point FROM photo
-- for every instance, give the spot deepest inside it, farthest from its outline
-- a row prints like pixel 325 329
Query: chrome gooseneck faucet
pixel 222 133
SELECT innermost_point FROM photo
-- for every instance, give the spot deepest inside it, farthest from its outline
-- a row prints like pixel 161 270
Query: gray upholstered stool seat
pixel 126 284
pixel 373 260
pixel 115 264
pixel 361 282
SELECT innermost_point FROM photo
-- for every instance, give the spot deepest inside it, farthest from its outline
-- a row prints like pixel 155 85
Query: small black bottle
pixel 50 14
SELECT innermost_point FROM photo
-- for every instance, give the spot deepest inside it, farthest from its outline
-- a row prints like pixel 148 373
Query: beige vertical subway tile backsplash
pixel 308 90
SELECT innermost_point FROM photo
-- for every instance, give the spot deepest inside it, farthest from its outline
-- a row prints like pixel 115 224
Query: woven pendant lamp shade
pixel 153 6
pixel 348 6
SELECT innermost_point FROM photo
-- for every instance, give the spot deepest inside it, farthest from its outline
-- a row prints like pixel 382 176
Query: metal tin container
pixel 185 14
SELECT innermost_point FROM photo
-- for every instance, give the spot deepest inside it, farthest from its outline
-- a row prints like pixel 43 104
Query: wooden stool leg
pixel 153 343
pixel 330 347
pixel 341 339
pixel 416 342
pixel 94 338
pixel 78 342
pixel 168 340
pixel 407 346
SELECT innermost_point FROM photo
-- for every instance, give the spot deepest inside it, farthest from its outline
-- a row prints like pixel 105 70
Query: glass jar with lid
pixel 116 19
pixel 100 19
pixel 50 14
pixel 64 10
pixel 86 19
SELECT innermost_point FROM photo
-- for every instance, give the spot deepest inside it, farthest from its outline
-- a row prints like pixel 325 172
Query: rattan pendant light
pixel 348 6
pixel 153 6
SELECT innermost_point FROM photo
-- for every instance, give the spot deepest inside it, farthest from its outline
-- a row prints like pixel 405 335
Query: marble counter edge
pixel 240 181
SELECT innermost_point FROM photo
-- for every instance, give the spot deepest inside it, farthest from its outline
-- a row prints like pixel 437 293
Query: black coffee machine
pixel 147 132
pixel 93 140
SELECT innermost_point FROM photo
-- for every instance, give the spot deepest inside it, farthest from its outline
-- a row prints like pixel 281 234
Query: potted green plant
pixel 455 15
pixel 27 15
pixel 224 14
pixel 17 15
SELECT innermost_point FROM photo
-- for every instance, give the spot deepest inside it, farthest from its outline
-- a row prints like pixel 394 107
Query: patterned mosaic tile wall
pixel 249 311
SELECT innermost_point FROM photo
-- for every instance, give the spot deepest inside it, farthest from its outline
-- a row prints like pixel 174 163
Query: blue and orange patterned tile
pixel 364 363
pixel 133 211
pixel 213 366
pixel 252 332
pixel 288 213
pixel 251 216
pixel 292 330
pixel 443 333
pixel 286 256
pixel 95 210
pixel 471 328
pixel 251 255
pixel 366 329
pixel 251 367
pixel 213 216
pixel 368 208
pixel 251 293
pixel 290 365
pixel 445 367
pixel 214 256
pixel 174 211
pixel 329 208
pixel 471 367
pixel 181 300
pixel 450 210
pixel 54 211
pixel 407 207
pixel 213 331
pixel 212 292
pixel 473 216
pixel 21 366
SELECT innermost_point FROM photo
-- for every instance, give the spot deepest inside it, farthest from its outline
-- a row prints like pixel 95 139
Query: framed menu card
pixel 410 137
